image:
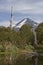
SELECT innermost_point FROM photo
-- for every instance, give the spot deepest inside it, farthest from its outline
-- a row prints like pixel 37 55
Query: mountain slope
pixel 25 21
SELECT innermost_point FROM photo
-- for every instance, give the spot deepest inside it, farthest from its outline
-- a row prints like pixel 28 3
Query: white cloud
pixel 7 23
pixel 39 3
pixel 4 23
pixel 38 20
pixel 36 8
pixel 23 7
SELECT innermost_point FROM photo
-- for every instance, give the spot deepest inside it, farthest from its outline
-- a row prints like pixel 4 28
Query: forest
pixel 15 43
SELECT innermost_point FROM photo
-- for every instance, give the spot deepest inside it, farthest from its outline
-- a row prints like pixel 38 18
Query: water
pixel 20 59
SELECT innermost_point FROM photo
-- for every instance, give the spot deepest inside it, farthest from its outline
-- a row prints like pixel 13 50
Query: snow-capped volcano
pixel 21 23
pixel 26 21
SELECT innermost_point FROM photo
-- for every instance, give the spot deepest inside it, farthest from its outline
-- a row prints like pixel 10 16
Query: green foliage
pixel 39 48
pixel 20 39
pixel 26 34
pixel 39 32
pixel 29 47
pixel 1 48
pixel 40 60
pixel 6 34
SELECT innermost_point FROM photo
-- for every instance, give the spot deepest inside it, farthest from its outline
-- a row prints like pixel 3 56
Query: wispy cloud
pixel 22 8
pixel 4 23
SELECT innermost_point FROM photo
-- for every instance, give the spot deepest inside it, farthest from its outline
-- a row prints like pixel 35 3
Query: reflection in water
pixel 20 59
pixel 35 59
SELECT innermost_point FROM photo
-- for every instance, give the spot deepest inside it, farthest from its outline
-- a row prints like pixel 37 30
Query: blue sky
pixel 32 9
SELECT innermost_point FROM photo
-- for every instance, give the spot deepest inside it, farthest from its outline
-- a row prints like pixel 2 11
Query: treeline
pixel 24 38
pixel 39 31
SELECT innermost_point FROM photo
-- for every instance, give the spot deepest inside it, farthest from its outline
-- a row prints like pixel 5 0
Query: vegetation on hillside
pixel 39 32
pixel 13 44
pixel 22 39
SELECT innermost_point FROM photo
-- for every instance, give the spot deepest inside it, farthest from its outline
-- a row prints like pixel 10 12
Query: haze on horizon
pixel 32 9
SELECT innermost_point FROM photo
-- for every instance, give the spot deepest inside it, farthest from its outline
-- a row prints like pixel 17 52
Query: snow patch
pixel 22 23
